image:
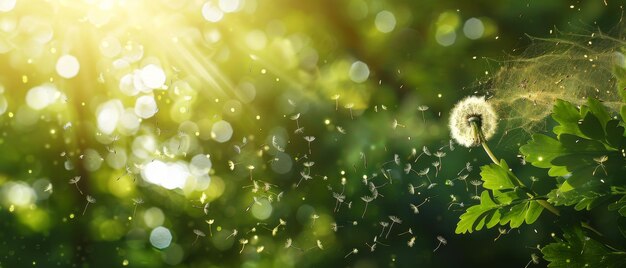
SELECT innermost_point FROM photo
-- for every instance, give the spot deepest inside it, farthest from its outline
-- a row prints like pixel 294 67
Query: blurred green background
pixel 249 115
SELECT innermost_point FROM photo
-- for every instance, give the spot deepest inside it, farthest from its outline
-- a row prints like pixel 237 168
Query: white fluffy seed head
pixel 475 108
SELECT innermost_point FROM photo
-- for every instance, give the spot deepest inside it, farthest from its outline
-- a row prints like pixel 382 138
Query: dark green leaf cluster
pixel 507 202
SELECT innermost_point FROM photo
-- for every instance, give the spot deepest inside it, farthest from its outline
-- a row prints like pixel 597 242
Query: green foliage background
pixel 407 67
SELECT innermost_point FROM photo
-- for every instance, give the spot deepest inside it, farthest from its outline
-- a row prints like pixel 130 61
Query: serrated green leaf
pixel 497 177
pixel 599 111
pixel 515 215
pixel 591 127
pixel 533 212
pixel 475 217
pixel 578 250
pixel 615 135
pixel 581 198
pixel 567 116
pixel 541 149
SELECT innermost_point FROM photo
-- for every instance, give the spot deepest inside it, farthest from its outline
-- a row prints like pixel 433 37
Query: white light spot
pixel 445 35
pixel 42 96
pixel 67 66
pixel 211 13
pixel 229 5
pixel 262 211
pixel 200 165
pixel 127 85
pixel 167 175
pixel 18 193
pixel 256 40
pixel 153 217
pixel 221 131
pixel 359 72
pixel 129 122
pixel 385 21
pixel 473 28
pixel 153 76
pixel 108 115
pixel 160 237
pixel 145 106
pixel 7 5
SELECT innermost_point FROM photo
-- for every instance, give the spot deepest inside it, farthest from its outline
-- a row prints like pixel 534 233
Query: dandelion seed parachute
pixel 472 108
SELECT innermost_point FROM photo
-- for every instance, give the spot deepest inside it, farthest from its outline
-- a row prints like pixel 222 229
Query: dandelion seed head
pixel 466 111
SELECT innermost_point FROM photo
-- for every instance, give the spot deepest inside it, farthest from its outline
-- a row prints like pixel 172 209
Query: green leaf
pixel 615 135
pixel 578 250
pixel 541 149
pixel 533 212
pixel 598 110
pixel 591 127
pixel 497 177
pixel 623 112
pixel 477 216
pixel 527 211
pixel 567 116
pixel 619 205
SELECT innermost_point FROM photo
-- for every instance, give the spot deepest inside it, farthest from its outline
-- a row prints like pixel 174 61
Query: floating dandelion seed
pixel 422 108
pixel 384 224
pixel 48 188
pixel 354 251
pixel 436 165
pixel 341 130
pixel 296 118
pixel 340 199
pixel 233 234
pixel 533 259
pixel 288 243
pixel 424 172
pixel 393 219
pixel 314 217
pixel 396 159
pixel 410 231
pixel 276 144
pixel 473 121
pixel 440 154
pixel 441 241
pixel 198 234
pixel 210 222
pixel 90 200
pixel 411 242
pixel 137 201
pixel 367 200
pixel 600 160
pixel 362 155
pixel 476 183
pixel 467 167
pixel 425 151
pixel 336 99
pixel 243 243
pixel 75 181
pixel 501 231
pixel 349 106
pixel 309 139
pixel 395 124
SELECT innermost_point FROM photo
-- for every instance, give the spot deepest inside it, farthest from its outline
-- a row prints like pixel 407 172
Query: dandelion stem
pixel 483 142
